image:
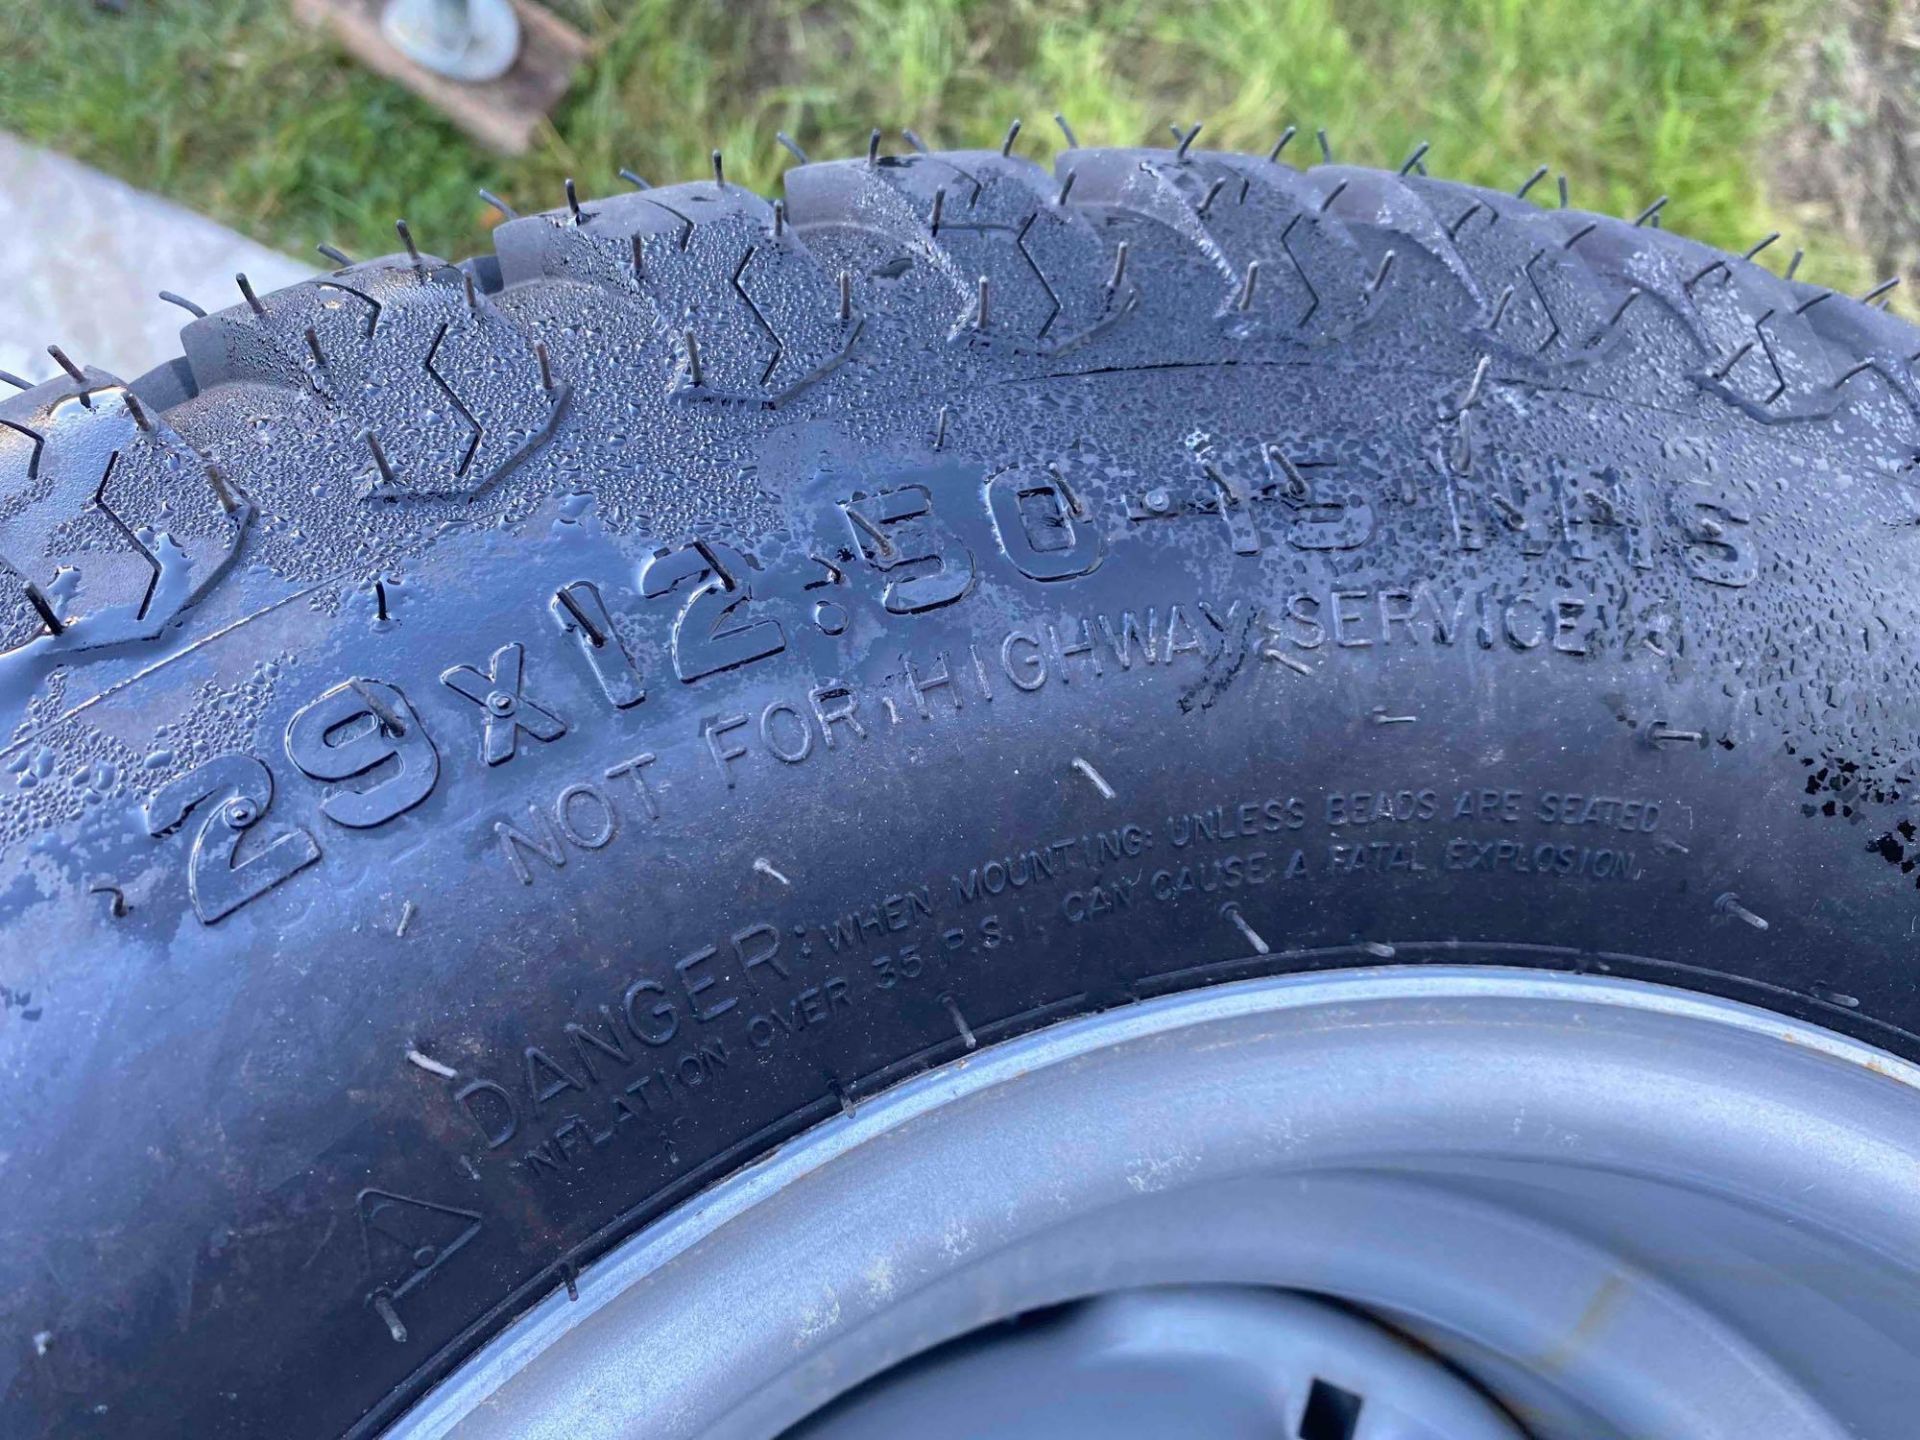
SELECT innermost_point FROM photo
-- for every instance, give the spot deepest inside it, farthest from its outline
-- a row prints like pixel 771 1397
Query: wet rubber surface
pixel 755 658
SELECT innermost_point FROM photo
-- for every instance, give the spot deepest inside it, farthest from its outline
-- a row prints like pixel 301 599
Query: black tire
pixel 952 602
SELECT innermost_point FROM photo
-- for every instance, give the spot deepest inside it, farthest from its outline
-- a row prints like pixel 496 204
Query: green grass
pixel 232 107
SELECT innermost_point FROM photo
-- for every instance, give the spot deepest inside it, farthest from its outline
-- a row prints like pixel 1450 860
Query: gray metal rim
pixel 1622 1210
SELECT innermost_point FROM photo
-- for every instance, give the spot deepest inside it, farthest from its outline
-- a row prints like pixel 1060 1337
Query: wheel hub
pixel 1226 1363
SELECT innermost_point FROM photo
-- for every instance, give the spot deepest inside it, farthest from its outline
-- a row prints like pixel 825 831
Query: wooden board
pixel 501 114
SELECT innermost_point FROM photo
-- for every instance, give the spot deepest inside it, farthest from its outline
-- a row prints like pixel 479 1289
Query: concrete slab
pixel 83 258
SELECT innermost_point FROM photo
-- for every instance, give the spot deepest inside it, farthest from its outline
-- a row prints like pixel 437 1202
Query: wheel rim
pixel 1620 1210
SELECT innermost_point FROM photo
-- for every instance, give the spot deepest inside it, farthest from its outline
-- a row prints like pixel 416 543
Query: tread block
pixel 984 222
pixel 452 392
pixel 707 260
pixel 1559 308
pixel 1239 212
pixel 1886 346
pixel 110 523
